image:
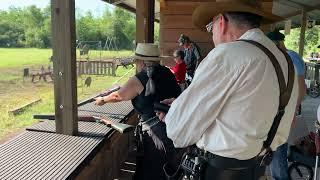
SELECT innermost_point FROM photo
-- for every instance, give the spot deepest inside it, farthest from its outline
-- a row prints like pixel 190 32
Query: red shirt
pixel 179 70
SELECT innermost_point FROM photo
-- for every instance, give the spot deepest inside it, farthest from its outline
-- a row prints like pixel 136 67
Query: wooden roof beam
pixel 297 5
pixel 298 12
pixel 305 7
pixel 117 2
pixel 291 4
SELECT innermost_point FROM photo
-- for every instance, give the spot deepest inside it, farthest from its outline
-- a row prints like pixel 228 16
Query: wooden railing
pixel 312 71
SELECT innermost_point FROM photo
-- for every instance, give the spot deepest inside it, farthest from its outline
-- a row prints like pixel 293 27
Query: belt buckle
pixel 148 124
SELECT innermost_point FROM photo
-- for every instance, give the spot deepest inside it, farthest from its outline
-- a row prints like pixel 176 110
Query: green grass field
pixel 19 57
pixel 16 91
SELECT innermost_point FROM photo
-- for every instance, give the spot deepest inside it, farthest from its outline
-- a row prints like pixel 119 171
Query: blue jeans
pixel 279 164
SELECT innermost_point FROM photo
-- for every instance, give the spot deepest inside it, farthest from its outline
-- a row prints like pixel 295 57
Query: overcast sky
pixel 96 6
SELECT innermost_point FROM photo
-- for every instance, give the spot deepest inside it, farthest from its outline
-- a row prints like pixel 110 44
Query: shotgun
pixel 120 127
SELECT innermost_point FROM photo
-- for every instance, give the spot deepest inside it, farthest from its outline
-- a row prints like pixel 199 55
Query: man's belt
pixel 230 163
pixel 149 123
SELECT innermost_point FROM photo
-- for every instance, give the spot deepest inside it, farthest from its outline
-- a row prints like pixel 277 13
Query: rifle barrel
pixel 100 95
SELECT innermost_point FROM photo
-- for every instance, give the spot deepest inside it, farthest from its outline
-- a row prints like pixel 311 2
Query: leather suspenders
pixel 285 90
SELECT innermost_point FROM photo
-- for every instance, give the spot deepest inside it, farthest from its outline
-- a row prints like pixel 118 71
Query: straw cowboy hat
pixel 204 13
pixel 148 51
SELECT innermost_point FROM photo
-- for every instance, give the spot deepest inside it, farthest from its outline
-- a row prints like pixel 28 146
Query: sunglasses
pixel 209 26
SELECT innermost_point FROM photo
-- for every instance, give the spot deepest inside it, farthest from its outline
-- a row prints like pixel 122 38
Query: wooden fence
pixel 96 68
pixel 312 71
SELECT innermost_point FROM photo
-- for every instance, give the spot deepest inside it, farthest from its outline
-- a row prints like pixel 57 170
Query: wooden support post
pixel 145 21
pixel 64 54
pixel 302 32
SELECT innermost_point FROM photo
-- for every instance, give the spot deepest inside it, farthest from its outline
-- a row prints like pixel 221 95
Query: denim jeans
pixel 279 164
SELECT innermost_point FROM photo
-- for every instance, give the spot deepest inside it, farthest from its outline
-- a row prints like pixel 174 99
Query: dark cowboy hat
pixel 183 39
pixel 204 13
pixel 276 36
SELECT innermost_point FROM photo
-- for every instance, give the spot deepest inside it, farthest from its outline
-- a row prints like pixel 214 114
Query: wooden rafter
pixel 298 12
pixel 117 2
pixel 297 5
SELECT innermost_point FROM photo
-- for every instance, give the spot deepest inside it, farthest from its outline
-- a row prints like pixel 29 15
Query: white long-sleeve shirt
pixel 230 105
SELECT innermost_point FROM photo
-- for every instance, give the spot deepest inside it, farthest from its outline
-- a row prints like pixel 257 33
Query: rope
pixel 117 81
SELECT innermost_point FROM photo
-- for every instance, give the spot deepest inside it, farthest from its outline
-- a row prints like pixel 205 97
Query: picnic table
pixel 41 75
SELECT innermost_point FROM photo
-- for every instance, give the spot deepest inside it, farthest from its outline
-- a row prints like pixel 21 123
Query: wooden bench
pixel 41 75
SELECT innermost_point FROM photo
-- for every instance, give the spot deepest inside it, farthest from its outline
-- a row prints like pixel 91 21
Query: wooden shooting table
pixel 96 153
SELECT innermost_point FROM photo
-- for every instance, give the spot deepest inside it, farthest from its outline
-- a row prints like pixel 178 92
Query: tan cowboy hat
pixel 204 13
pixel 148 52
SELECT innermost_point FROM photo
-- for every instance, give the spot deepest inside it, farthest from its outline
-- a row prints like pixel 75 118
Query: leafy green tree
pixel 311 40
pixel 123 28
pixel 156 33
pixel 10 35
pixel 31 27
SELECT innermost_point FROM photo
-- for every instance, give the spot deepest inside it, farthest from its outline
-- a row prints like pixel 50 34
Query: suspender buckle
pixel 266 158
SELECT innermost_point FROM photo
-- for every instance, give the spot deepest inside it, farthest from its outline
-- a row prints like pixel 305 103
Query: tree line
pixel 31 27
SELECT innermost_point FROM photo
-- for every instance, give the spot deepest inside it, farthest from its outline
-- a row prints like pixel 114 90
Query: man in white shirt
pixel 229 107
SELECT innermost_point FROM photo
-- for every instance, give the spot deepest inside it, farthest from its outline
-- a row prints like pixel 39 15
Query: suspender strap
pixel 285 90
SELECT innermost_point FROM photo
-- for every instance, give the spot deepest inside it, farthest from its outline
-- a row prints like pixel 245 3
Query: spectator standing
pixel 179 70
pixel 191 55
pixel 279 164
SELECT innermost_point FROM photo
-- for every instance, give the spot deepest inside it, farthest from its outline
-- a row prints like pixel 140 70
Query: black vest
pixel 166 87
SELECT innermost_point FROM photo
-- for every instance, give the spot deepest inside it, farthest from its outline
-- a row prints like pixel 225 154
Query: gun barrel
pixel 100 95
pixel 52 117
pixel 44 116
